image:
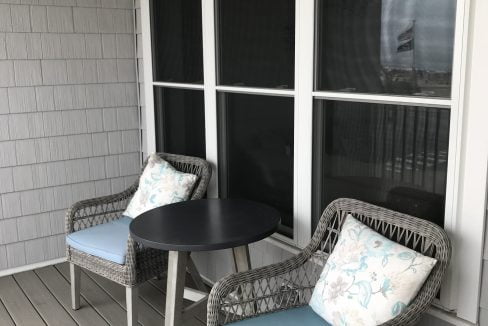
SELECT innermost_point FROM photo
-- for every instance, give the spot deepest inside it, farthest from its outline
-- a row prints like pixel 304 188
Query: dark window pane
pixel 389 155
pixel 177 41
pixel 386 46
pixel 256 43
pixel 180 121
pixel 256 151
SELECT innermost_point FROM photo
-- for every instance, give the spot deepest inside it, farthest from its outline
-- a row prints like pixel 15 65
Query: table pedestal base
pixel 178 263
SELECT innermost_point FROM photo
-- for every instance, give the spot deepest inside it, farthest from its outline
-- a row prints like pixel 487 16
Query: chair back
pixel 189 164
pixel 420 235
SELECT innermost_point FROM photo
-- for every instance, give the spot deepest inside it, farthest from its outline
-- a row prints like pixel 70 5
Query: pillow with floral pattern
pixel 368 279
pixel 160 184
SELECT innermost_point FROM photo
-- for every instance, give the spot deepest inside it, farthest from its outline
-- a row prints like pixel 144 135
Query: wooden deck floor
pixel 42 297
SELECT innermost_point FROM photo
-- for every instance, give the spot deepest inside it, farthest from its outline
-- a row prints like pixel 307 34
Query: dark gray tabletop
pixel 205 224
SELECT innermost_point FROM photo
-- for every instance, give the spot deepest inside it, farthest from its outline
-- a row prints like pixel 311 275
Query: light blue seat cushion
pixel 292 317
pixel 107 241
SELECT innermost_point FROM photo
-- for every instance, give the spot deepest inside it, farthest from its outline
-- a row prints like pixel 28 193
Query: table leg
pixel 242 260
pixel 174 290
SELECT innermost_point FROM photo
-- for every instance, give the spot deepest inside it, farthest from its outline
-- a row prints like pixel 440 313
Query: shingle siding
pixel 68 117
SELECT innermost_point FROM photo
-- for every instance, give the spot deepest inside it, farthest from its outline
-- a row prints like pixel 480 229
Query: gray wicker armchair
pixel 141 263
pixel 290 284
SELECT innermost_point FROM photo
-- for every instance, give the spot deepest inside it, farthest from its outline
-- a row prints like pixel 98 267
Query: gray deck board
pixel 42 297
pixel 147 315
pixel 43 301
pixel 5 317
pixel 98 299
pixel 17 304
pixel 60 288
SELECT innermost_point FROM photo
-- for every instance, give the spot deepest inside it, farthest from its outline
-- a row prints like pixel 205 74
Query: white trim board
pixel 26 268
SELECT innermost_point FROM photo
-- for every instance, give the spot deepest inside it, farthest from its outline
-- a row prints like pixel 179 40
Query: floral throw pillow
pixel 160 184
pixel 368 279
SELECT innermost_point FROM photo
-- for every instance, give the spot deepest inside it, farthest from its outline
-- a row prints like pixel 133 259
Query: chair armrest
pixel 270 288
pixel 91 212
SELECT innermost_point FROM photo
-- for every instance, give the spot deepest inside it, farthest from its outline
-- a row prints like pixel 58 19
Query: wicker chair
pixel 141 263
pixel 290 284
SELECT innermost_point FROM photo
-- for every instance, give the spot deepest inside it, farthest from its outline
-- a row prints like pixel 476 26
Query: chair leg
pixel 131 297
pixel 75 277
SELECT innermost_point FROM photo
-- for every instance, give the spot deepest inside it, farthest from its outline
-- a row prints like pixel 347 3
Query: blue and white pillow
pixel 160 184
pixel 368 279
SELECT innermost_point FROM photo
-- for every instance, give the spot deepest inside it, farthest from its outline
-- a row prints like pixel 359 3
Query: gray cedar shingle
pixel 8 231
pixel 46 197
pixel 62 197
pixel 60 19
pixel 16 254
pixel 4 106
pixel 72 46
pixel 39 18
pixel 107 70
pixel 6 180
pixel 94 120
pixel 34 46
pixel 90 71
pixel 16 45
pixel 125 46
pixel 20 18
pixel 4 132
pixel 94 96
pixel 22 99
pixel 106 21
pixel 22 176
pixel 18 126
pixel 57 221
pixel 26 227
pixel 26 151
pixel 11 205
pixel 39 175
pixel 75 71
pixel 126 70
pixel 102 188
pixel 59 148
pixel 93 44
pixel 100 144
pixel 115 142
pixel 82 191
pixel 80 146
pixel 51 46
pixel 3 257
pixel 6 73
pixel 28 73
pixel 35 250
pixel 109 46
pixel 36 124
pixel 77 171
pixel 63 97
pixel 74 122
pixel 53 123
pixel 45 98
pixel 129 164
pixel 7 153
pixel 97 168
pixel 79 97
pixel 43 152
pixel 130 141
pixel 30 202
pixel 54 72
pixel 5 18
pixel 56 173
pixel 117 185
pixel 112 168
pixel 85 20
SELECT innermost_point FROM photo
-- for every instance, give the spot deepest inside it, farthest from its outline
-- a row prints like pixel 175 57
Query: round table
pixel 201 225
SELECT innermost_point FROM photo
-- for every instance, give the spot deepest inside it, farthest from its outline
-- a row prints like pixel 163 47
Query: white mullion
pixel 150 132
pixel 256 90
pixel 178 85
pixel 209 73
pixel 384 99
pixel 304 47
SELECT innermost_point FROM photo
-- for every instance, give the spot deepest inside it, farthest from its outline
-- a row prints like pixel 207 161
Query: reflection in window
pixel 180 121
pixel 402 47
pixel 256 43
pixel 389 155
pixel 256 151
pixel 177 41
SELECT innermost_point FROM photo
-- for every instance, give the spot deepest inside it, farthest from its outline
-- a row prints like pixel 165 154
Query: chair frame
pixel 290 283
pixel 141 263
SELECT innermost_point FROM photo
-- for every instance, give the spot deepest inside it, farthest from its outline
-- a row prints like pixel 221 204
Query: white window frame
pixel 452 294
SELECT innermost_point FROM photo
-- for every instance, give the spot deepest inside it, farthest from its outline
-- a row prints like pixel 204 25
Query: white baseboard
pixel 30 267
